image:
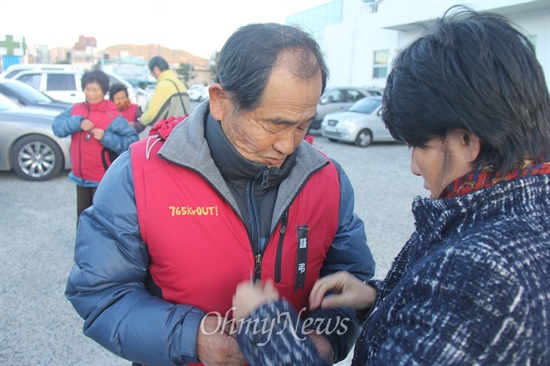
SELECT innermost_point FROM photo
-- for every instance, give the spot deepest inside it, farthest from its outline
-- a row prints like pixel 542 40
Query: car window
pixel 31 79
pixel 365 105
pixel 29 93
pixel 354 95
pixel 61 82
pixel 375 93
pixel 11 74
pixel 334 96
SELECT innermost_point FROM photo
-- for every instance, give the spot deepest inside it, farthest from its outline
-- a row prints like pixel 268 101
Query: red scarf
pixel 486 177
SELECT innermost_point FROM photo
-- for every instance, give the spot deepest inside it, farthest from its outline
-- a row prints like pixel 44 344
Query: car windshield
pixel 30 93
pixel 365 105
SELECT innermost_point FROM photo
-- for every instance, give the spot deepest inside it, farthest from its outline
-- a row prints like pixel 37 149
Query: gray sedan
pixel 27 143
pixel 27 96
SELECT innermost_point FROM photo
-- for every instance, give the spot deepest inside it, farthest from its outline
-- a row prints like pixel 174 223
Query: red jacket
pixel 130 113
pixel 199 247
pixel 90 159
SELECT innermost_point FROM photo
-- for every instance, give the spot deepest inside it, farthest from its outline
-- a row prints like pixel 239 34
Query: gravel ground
pixel 38 326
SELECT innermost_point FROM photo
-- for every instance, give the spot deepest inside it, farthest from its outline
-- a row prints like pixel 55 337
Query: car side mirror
pixel 323 100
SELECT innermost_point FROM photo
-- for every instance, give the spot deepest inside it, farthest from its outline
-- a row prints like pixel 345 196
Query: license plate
pixel 330 128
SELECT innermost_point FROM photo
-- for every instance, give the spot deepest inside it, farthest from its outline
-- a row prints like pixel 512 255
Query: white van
pixel 63 82
pixel 13 70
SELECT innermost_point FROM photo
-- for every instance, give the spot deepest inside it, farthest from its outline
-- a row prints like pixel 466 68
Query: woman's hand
pixel 98 133
pixel 348 291
pixel 86 125
pixel 251 296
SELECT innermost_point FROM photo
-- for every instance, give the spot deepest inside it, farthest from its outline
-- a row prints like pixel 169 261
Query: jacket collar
pixel 187 146
pixel 435 217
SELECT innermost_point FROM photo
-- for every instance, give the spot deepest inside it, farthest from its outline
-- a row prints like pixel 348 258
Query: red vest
pixel 199 246
pixel 88 157
pixel 130 113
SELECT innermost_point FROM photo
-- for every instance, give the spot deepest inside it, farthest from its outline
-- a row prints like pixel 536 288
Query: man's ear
pixel 219 101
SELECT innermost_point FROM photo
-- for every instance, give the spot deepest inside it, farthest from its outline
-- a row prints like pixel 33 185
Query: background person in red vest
pixel 98 135
pixel 231 193
pixel 118 93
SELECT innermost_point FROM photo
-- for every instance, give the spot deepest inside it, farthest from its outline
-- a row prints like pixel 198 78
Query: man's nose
pixel 285 144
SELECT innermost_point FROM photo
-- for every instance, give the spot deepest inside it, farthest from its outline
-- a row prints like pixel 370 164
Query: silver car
pixel 27 143
pixel 360 124
pixel 336 99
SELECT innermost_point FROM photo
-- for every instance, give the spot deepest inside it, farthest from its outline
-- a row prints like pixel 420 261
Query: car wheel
pixel 364 138
pixel 36 158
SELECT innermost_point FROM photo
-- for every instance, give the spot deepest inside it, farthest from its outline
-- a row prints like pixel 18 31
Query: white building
pixel 359 49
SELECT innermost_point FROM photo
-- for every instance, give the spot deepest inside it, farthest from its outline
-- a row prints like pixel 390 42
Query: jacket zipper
pixel 83 139
pixel 265 178
pixel 259 256
pixel 282 231
pixel 257 267
pixel 255 228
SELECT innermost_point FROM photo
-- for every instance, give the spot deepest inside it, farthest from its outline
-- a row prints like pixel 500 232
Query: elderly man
pixel 234 192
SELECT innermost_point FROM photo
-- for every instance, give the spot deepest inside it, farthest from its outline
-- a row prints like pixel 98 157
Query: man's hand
pixel 249 296
pixel 215 346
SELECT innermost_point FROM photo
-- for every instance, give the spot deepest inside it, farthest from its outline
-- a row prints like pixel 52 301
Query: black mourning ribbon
pixel 301 257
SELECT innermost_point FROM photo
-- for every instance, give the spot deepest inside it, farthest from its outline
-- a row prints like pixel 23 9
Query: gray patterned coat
pixel 470 287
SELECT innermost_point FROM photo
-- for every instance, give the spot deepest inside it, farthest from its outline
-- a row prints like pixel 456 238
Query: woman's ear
pixel 471 146
pixel 219 101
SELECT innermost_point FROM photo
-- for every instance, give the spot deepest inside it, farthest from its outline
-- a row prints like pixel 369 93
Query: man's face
pixel 155 72
pixel 274 130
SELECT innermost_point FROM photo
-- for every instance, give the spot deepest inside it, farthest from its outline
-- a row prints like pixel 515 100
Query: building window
pixel 371 6
pixel 380 69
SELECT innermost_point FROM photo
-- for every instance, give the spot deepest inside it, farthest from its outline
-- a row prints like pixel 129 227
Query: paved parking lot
pixel 38 326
